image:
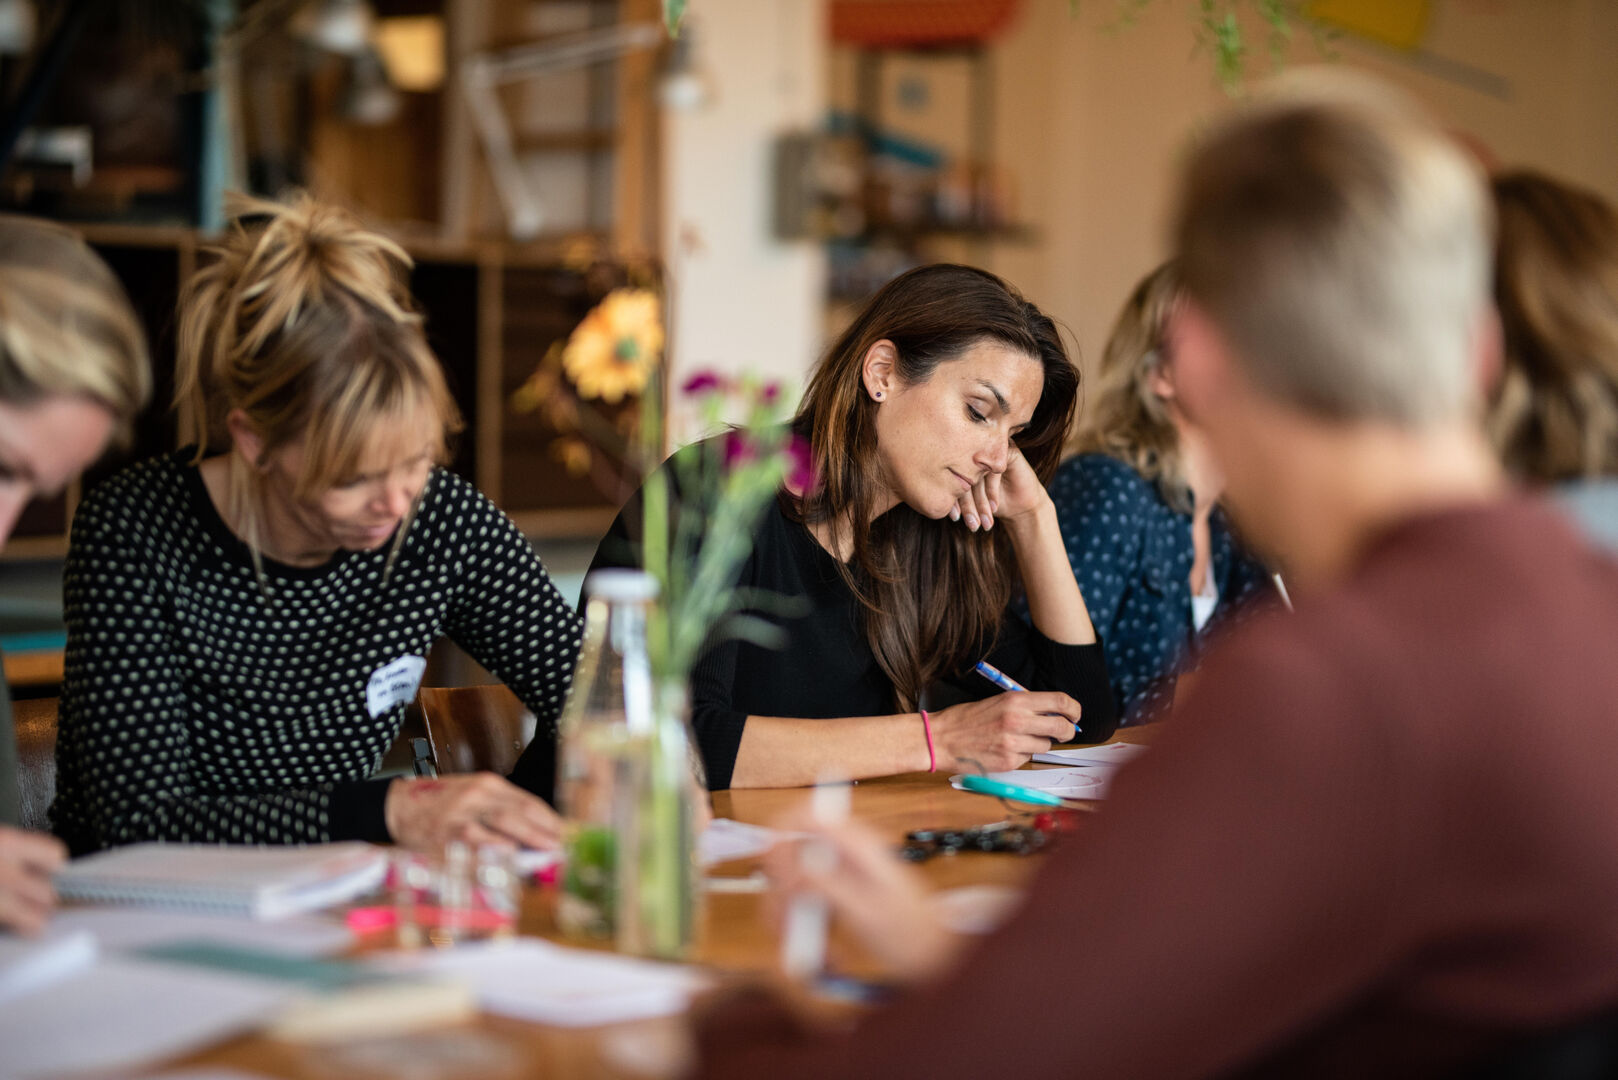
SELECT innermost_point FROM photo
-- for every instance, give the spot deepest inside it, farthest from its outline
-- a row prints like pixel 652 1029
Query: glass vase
pixel 659 882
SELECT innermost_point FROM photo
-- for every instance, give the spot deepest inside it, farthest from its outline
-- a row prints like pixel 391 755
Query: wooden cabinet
pixel 493 306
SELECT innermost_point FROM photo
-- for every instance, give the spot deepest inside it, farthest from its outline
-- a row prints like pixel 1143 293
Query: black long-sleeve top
pixel 827 668
pixel 197 708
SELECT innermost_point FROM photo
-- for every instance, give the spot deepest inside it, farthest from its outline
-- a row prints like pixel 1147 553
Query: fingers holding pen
pixel 1004 731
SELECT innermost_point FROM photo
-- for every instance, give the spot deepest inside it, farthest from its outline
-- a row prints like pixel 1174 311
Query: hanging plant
pixel 1221 29
pixel 673 16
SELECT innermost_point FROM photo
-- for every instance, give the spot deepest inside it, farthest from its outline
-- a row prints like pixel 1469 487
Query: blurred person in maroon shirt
pixel 1385 840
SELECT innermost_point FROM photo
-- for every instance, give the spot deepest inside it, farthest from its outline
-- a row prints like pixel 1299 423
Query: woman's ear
pixel 245 439
pixel 1159 382
pixel 876 369
pixel 1158 379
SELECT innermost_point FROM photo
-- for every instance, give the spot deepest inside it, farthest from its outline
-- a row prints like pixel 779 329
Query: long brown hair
pixel 932 592
pixel 1129 421
pixel 1555 412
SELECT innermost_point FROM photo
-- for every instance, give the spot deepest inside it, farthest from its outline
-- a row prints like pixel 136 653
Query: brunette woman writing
pixel 932 422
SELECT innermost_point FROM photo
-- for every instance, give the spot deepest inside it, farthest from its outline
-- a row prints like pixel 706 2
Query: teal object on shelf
pixel 34 641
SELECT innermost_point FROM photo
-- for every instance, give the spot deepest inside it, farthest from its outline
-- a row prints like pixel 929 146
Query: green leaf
pixel 673 16
pixel 770 602
pixel 754 630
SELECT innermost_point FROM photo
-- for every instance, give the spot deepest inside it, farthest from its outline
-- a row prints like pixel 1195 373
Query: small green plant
pixel 1227 30
pixel 673 15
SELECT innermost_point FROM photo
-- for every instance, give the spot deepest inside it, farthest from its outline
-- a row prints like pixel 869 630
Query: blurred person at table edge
pixel 249 617
pixel 73 374
pixel 1139 509
pixel 1554 414
pixel 932 423
pixel 1380 838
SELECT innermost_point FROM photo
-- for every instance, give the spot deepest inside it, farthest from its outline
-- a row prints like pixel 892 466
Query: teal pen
pixel 984 786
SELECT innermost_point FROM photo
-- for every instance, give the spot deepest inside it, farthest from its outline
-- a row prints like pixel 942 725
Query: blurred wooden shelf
pixel 41 668
pixel 492 305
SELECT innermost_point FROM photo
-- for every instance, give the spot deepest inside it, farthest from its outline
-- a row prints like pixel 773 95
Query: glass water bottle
pixel 599 767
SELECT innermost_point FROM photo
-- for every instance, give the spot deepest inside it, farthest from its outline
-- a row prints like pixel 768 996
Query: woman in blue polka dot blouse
pixel 249 617
pixel 1140 519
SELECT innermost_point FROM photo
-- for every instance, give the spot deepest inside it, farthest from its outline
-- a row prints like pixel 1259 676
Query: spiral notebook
pixel 257 882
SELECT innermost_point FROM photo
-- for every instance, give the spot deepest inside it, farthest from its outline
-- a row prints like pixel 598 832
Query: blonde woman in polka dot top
pixel 1140 516
pixel 248 617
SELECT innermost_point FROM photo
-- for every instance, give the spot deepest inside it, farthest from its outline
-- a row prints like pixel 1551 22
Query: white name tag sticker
pixel 394 684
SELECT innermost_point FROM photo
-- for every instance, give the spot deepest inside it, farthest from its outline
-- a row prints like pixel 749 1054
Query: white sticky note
pixel 394 684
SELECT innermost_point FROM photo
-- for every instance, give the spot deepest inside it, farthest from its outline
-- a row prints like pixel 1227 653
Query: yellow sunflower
pixel 612 352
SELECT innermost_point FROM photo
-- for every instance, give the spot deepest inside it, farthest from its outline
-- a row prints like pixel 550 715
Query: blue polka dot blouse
pixel 1131 553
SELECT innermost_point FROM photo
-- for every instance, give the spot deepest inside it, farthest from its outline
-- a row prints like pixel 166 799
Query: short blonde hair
pixel 66 326
pixel 1341 242
pixel 304 322
pixel 1554 416
pixel 1129 421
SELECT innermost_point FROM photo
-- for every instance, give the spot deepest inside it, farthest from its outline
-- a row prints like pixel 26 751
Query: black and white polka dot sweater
pixel 198 707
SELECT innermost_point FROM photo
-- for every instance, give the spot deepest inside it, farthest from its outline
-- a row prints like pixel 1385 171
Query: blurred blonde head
pixel 304 327
pixel 66 327
pixel 1554 416
pixel 1341 242
pixel 1130 420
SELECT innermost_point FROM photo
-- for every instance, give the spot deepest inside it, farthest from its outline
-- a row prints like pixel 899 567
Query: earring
pixel 879 395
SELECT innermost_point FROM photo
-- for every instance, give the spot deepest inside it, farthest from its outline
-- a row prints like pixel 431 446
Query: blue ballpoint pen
pixel 1003 681
pixel 998 677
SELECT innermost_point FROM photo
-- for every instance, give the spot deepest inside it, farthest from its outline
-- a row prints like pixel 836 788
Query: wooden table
pixel 738 940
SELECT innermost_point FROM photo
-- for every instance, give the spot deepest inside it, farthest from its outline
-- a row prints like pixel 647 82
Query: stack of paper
pixel 263 883
pixel 121 929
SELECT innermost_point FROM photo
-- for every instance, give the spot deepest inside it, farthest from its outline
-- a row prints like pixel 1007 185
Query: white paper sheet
pixel 725 840
pixel 1113 754
pixel 722 841
pixel 535 980
pixel 29 964
pixel 124 1013
pixel 121 929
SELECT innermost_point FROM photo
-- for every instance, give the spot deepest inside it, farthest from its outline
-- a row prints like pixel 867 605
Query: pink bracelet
pixel 932 758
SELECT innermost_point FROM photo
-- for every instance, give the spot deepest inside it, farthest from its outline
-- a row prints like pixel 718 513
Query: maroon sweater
pixel 1380 839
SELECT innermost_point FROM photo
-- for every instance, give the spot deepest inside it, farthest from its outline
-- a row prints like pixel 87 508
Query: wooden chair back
pixel 475 728
pixel 35 721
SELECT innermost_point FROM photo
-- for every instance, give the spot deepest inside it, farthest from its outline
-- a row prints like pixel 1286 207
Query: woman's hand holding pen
pixel 1004 731
pixel 478 808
